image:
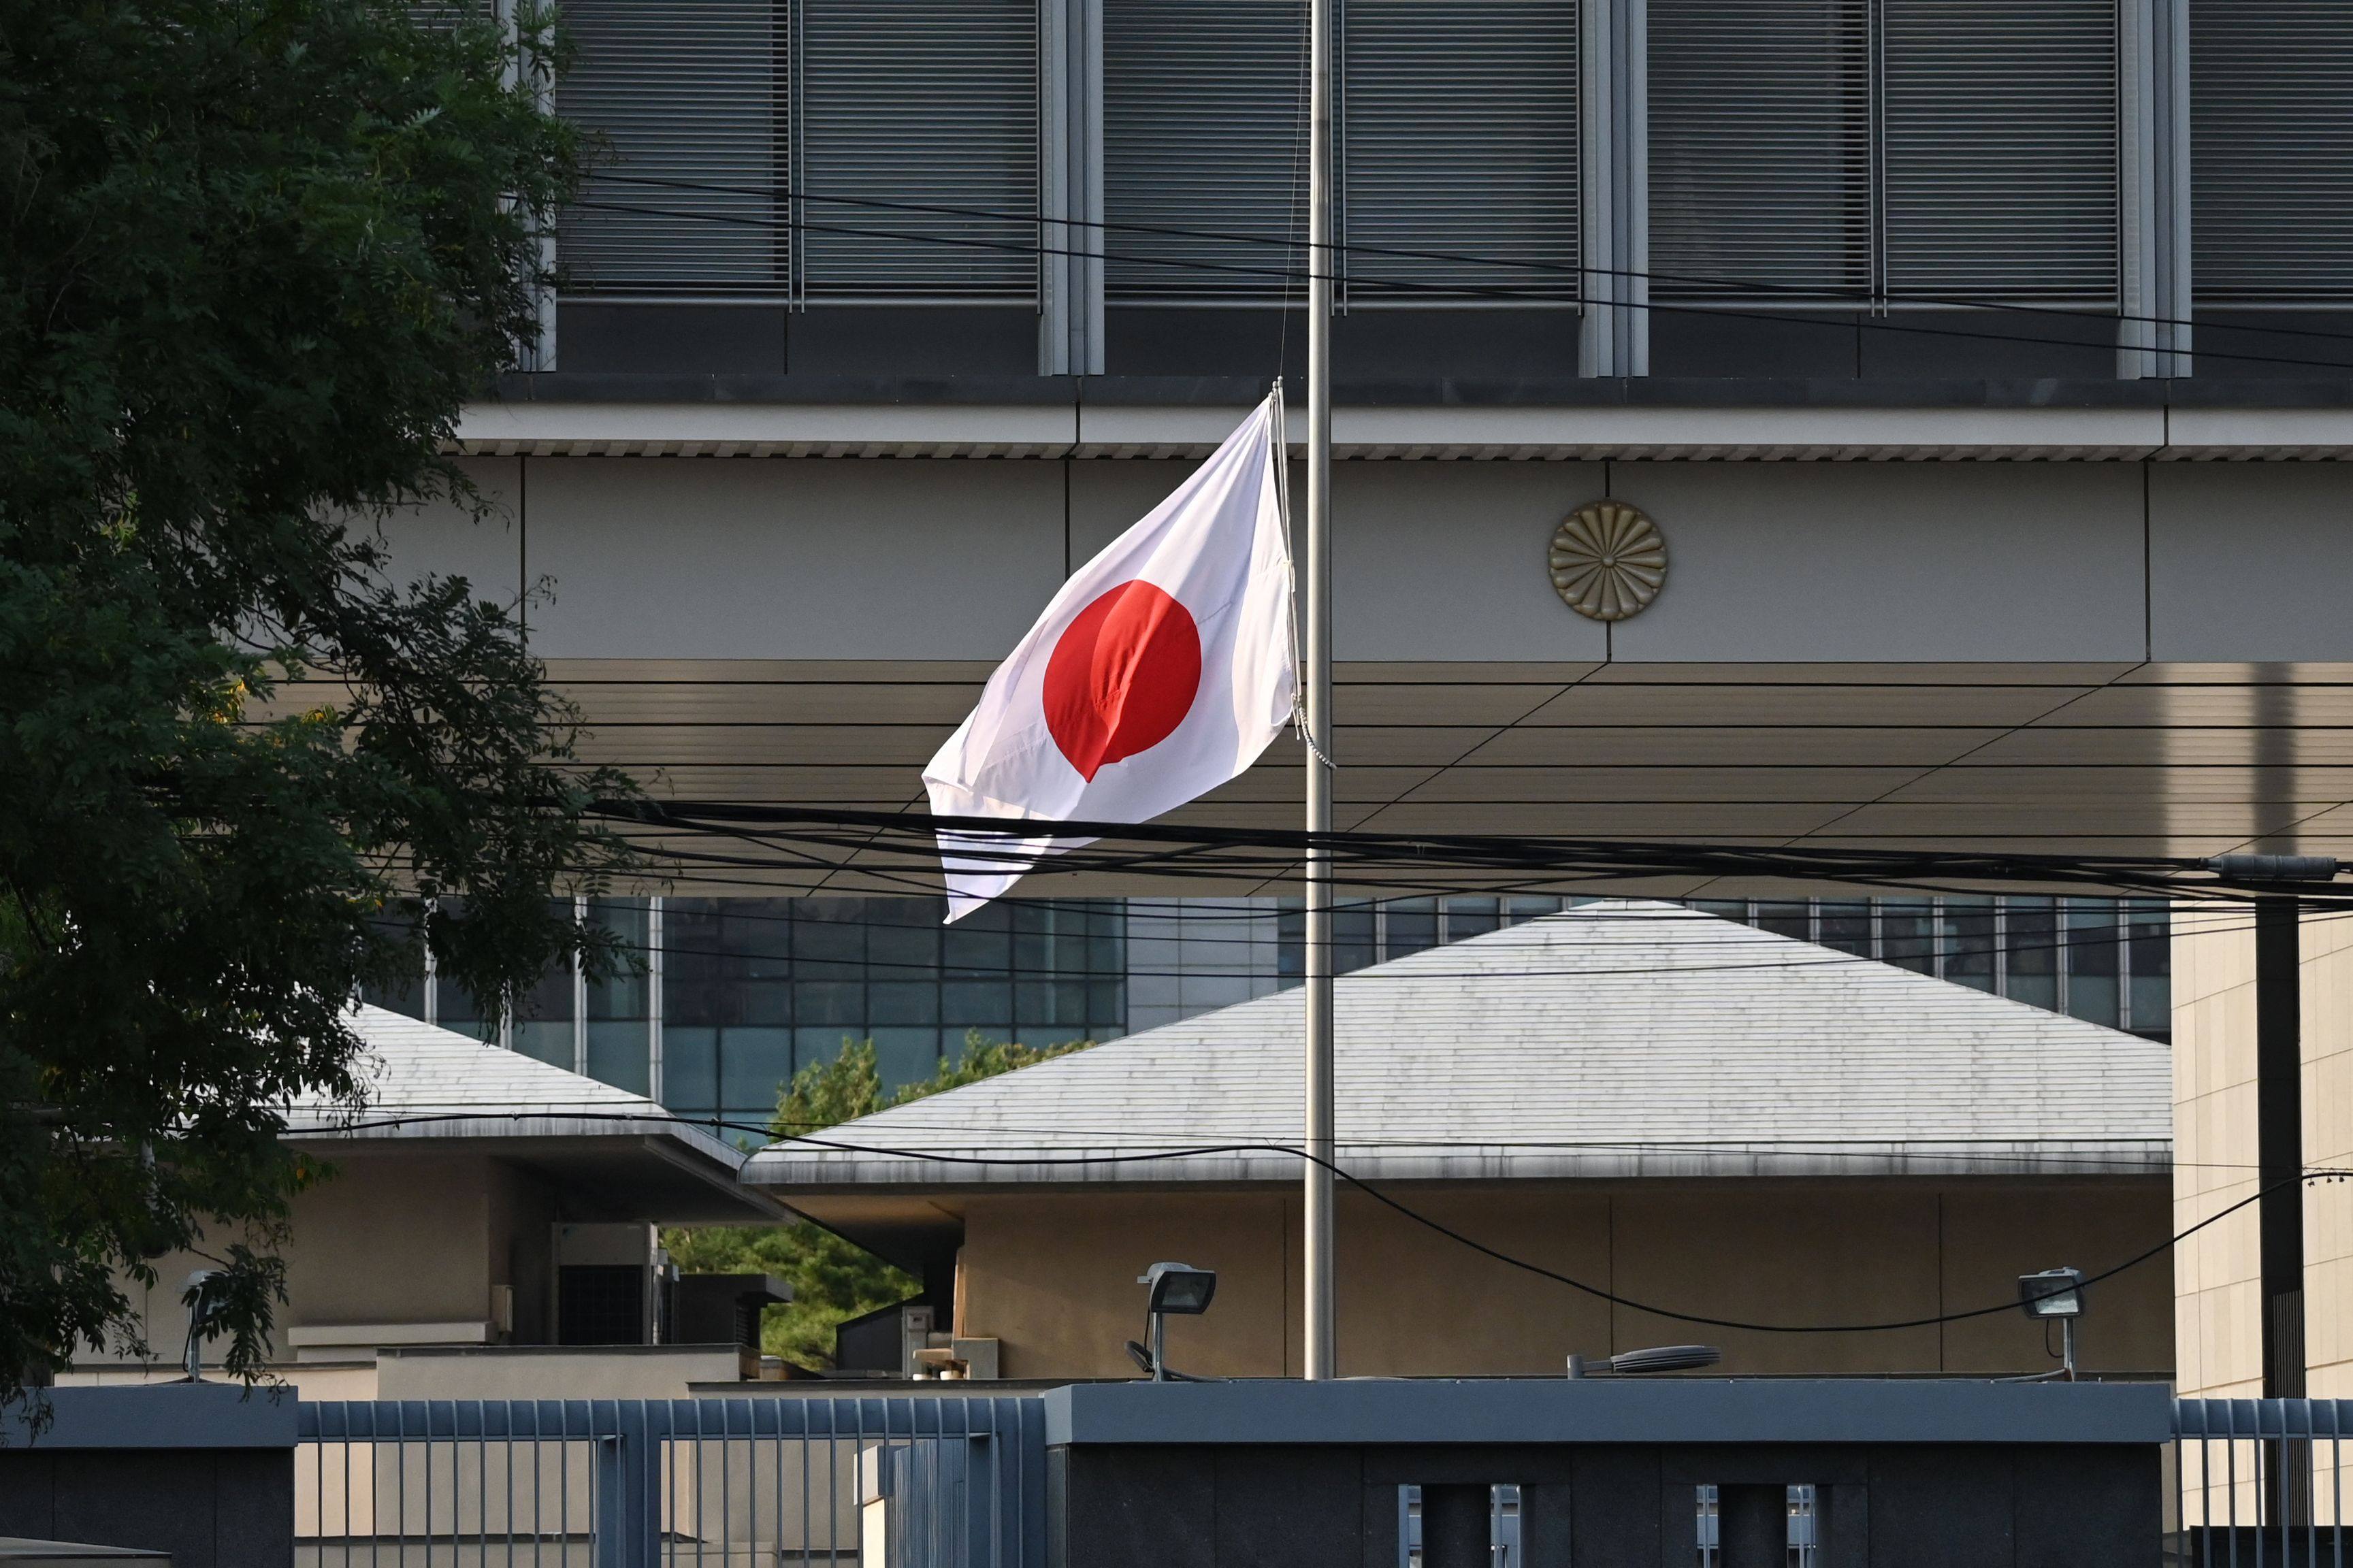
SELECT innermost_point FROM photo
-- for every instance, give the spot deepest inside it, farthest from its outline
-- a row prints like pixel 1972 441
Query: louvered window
pixel 2001 161
pixel 689 197
pixel 716 114
pixel 1760 146
pixel 916 104
pixel 2271 85
pixel 1205 131
pixel 1812 151
pixel 1458 123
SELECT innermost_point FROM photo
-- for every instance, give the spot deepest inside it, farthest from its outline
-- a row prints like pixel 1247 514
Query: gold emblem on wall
pixel 1609 561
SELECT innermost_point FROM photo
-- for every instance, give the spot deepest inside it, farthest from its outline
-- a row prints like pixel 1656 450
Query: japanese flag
pixel 1160 670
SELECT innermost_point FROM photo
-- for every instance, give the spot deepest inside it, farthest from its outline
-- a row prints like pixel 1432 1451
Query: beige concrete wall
pixel 1052 1276
pixel 404 1240
pixel 2217 1273
pixel 2217 1315
pixel 2328 996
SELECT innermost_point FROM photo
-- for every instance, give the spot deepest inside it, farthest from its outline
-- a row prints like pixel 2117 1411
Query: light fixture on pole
pixel 1177 1289
pixel 2055 1293
pixel 1655 1358
pixel 201 1295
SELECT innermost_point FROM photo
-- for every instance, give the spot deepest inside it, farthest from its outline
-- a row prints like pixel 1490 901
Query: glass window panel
pixel 969 1002
pixel 817 1045
pixel 621 1054
pixel 1969 945
pixel 903 941
pixel 830 939
pixel 1466 918
pixel 694 987
pixel 1517 910
pixel 979 945
pixel 1106 1005
pixel 2151 958
pixel 549 1042
pixel 690 1067
pixel 2094 951
pixel 1352 937
pixel 2030 951
pixel 838 1001
pixel 1785 917
pixel 626 992
pixel 754 1066
pixel 405 996
pixel 902 1057
pixel 899 1001
pixel 1846 926
pixel 455 1008
pixel 1290 939
pixel 1908 934
pixel 1735 910
pixel 1412 925
pixel 1033 1002
pixel 1039 1036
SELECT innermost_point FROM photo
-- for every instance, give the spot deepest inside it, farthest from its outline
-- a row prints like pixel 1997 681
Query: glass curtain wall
pixel 724 1000
pixel 2106 961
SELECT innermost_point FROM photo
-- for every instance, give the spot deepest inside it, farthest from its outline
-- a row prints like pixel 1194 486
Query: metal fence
pixel 950 1482
pixel 2259 1483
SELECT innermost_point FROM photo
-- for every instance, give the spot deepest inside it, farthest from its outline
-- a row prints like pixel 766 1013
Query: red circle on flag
pixel 1122 677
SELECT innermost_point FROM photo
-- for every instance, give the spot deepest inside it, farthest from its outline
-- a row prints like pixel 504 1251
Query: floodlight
pixel 1180 1288
pixel 2053 1293
pixel 1171 1287
pixel 201 1295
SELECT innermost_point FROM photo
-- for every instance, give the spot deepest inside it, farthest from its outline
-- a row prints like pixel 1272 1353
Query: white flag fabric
pixel 1160 670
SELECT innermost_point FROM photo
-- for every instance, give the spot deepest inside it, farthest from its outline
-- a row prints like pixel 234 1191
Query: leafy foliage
pixel 255 256
pixel 832 1279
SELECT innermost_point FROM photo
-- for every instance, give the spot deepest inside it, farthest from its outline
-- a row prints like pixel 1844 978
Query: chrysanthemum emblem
pixel 1609 561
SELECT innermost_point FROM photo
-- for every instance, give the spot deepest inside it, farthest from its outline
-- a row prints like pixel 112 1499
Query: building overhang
pixel 1664 420
pixel 619 1175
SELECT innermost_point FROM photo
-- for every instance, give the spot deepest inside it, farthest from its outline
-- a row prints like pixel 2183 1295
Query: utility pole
pixel 1317 1340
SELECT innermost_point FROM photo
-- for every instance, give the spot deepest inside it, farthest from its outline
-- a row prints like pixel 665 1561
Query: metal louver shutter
pixel 2000 150
pixel 924 103
pixel 1458 126
pixel 1204 129
pixel 2271 164
pixel 690 97
pixel 1760 149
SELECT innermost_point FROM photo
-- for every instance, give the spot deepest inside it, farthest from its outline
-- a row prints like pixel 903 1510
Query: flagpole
pixel 1318 1338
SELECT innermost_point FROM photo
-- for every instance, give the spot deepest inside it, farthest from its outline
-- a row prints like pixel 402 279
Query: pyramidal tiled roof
pixel 1617 1038
pixel 423 1082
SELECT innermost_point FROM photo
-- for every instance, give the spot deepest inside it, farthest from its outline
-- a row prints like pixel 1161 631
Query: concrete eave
pixel 777 416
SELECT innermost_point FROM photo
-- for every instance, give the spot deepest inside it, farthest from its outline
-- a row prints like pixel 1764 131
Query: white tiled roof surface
pixel 1618 1039
pixel 423 1082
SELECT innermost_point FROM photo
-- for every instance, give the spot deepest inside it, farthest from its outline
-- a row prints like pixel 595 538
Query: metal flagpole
pixel 1317 1339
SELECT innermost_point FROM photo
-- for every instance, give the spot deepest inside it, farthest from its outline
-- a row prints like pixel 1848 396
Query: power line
pixel 1339 1172
pixel 1392 285
pixel 1798 293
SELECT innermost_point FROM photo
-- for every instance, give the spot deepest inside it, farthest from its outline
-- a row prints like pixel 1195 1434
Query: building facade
pixel 1984 368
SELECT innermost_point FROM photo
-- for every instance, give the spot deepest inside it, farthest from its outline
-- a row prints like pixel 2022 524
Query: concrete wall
pixel 1053 1277
pixel 2218 1271
pixel 851 559
pixel 414 1240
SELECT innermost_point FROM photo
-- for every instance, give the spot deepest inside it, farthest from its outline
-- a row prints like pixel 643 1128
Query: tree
pixel 834 1281
pixel 255 256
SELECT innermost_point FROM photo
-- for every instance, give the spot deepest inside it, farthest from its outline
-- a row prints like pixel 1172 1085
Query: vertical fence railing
pixel 2259 1483
pixel 918 1482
